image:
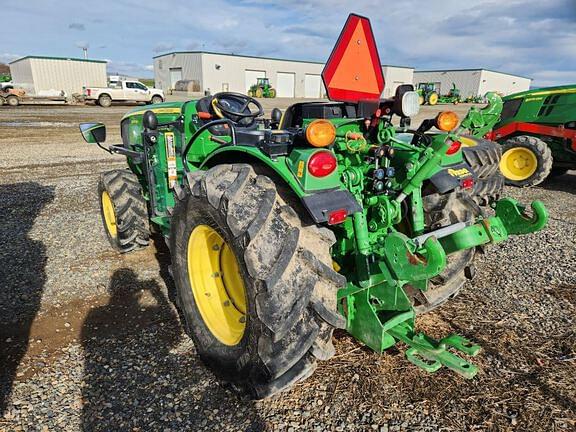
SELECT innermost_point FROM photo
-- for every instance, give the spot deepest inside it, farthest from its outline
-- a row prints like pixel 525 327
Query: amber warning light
pixel 353 72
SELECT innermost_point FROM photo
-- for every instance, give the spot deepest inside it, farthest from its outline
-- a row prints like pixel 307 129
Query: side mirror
pixel 276 116
pixel 150 120
pixel 93 133
pixel 406 102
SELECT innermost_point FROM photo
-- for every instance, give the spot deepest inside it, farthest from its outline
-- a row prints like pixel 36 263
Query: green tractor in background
pixel 427 94
pixel 262 89
pixel 537 130
pixel 281 230
pixel 453 96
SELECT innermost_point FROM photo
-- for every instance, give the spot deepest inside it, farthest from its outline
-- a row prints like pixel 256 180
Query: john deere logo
pixel 461 172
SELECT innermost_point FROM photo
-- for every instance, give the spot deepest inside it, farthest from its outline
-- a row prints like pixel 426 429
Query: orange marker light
pixel 320 133
pixel 447 120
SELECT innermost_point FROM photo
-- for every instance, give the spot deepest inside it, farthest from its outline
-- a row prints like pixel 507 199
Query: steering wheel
pixel 236 107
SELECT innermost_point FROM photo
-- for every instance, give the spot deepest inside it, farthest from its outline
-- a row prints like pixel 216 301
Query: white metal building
pixel 473 82
pixel 216 72
pixel 38 75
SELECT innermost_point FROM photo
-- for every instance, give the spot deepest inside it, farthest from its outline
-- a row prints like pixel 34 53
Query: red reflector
pixel 454 148
pixel 321 164
pixel 337 216
pixel 467 183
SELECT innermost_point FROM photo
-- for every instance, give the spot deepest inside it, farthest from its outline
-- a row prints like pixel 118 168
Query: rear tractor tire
pixel 432 98
pixel 483 156
pixel 526 161
pixel 123 210
pixel 272 93
pixel 441 210
pixel 259 93
pixel 255 285
pixel 105 101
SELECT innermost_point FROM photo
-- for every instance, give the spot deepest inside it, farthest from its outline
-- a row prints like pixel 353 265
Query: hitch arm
pixel 510 219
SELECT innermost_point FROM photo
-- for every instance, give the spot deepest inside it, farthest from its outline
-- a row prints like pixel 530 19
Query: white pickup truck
pixel 124 91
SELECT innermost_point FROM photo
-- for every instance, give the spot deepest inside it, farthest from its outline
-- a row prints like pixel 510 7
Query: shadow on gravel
pixel 22 274
pixel 563 183
pixel 140 373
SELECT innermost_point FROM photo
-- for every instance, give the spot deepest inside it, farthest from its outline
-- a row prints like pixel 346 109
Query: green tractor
pixel 453 96
pixel 327 217
pixel 537 130
pixel 427 94
pixel 262 89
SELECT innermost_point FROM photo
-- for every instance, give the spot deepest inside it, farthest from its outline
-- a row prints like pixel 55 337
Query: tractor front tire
pixel 441 210
pixel 263 329
pixel 526 161
pixel 123 210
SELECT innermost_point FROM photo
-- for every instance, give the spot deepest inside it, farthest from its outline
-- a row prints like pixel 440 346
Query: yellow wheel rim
pixel 109 215
pixel 518 163
pixel 433 99
pixel 217 285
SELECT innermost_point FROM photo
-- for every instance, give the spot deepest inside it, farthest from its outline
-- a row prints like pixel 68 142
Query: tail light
pixel 337 216
pixel 322 163
pixel 88 92
pixel 454 147
pixel 467 183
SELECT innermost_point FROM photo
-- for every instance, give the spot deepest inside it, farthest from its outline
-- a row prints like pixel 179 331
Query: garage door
pixel 312 86
pixel 252 76
pixel 175 76
pixel 285 84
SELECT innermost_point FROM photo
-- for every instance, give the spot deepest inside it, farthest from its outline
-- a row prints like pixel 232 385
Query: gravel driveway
pixel 89 339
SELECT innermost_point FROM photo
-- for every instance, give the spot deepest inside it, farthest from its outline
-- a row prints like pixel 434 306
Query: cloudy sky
pixel 534 38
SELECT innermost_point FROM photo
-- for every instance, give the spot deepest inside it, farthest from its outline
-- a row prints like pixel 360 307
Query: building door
pixel 175 75
pixel 312 86
pixel 285 84
pixel 252 76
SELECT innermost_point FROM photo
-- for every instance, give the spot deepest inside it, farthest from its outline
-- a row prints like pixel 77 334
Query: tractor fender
pixel 448 178
pixel 319 204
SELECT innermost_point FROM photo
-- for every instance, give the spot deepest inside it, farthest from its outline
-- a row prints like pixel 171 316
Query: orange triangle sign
pixel 354 72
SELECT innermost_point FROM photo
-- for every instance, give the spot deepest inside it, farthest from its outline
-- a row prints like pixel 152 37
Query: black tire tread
pixel 130 208
pixel 441 210
pixel 484 159
pixel 289 262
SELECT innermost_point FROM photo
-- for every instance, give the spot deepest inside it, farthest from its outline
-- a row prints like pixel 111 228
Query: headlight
pixel 410 105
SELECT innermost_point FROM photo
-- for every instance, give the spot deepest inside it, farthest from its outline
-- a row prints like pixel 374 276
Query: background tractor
pixel 453 96
pixel 261 89
pixel 537 130
pixel 427 94
pixel 281 230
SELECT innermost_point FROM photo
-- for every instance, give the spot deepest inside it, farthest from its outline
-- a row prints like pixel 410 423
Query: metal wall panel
pixel 503 83
pixel 395 76
pixel 190 63
pixel 69 76
pixel 21 72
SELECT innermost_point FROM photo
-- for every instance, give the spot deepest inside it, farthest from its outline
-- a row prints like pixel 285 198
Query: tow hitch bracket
pixel 431 355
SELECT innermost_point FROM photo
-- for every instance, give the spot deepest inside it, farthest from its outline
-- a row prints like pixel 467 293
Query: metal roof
pixel 257 57
pixel 58 58
pixel 472 70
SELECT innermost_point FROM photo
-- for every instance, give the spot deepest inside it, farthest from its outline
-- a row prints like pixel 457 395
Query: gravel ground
pixel 89 339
